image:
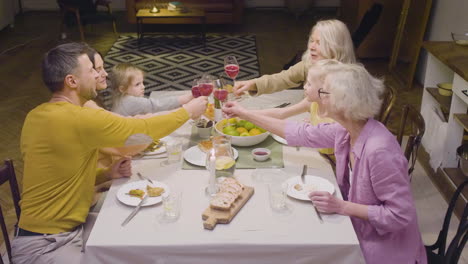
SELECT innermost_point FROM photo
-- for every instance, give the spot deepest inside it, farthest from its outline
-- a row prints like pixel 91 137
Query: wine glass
pixel 220 93
pixel 205 85
pixel 231 67
pixel 195 89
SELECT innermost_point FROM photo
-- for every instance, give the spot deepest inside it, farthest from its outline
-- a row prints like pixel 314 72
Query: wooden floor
pixel 279 36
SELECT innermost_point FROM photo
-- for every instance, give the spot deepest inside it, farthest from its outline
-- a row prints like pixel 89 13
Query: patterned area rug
pixel 173 62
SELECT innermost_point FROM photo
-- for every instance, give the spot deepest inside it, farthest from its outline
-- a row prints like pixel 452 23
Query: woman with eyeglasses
pixel 371 170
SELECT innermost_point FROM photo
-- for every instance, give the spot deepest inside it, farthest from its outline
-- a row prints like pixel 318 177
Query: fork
pixel 304 171
pixel 144 178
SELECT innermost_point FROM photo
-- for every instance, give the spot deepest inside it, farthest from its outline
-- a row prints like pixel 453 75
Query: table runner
pixel 245 160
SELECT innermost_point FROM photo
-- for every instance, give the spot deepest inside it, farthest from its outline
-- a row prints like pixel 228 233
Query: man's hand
pixel 326 202
pixel 240 87
pixel 196 107
pixel 121 168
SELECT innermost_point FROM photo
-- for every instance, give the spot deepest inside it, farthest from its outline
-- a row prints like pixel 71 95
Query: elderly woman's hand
pixel 240 87
pixel 233 109
pixel 326 202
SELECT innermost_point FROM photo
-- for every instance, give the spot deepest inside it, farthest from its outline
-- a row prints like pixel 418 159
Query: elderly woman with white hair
pixel 371 169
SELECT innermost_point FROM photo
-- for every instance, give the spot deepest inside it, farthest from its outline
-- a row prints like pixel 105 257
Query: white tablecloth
pixel 255 235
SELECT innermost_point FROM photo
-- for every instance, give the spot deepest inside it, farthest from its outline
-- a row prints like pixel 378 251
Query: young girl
pixel 128 93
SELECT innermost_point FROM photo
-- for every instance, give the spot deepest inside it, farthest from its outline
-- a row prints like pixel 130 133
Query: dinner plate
pixel 279 139
pixel 313 183
pixel 196 156
pixel 123 197
pixel 159 150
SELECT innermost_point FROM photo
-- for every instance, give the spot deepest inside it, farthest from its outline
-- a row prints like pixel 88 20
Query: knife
pixel 135 211
pixel 144 178
pixel 304 171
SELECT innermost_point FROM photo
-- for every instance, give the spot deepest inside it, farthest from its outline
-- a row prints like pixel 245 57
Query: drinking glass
pixel 277 196
pixel 220 161
pixel 171 206
pixel 174 151
pixel 231 67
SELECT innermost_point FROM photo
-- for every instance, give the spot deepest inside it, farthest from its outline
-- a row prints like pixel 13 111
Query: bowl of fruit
pixel 242 132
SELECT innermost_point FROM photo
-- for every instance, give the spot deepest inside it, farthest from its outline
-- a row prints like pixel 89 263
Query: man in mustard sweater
pixel 59 143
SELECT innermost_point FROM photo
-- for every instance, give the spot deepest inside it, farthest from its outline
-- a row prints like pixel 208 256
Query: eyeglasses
pixel 321 91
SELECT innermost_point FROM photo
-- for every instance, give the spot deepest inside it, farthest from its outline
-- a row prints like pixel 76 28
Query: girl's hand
pixel 240 87
pixel 183 99
pixel 326 202
pixel 233 109
pixel 121 168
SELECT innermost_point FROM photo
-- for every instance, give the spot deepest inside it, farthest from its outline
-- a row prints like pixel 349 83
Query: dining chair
pixel 456 246
pixel 7 173
pixel 412 121
pixel 85 12
pixel 387 104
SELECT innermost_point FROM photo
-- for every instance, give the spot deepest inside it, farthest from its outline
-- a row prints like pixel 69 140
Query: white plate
pixel 196 156
pixel 313 183
pixel 279 139
pixel 160 150
pixel 134 201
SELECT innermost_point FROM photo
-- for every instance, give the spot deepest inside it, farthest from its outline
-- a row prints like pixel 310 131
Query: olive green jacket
pixel 292 77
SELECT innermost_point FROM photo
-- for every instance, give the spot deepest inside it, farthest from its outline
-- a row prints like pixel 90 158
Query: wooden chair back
pixel 387 104
pixel 412 121
pixel 7 174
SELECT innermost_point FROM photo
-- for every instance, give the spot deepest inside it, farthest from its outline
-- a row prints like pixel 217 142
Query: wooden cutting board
pixel 214 216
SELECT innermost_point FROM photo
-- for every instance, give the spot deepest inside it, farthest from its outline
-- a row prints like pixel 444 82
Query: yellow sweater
pixel 59 144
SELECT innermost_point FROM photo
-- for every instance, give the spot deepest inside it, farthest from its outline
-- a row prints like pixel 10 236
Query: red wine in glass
pixel 196 91
pixel 232 70
pixel 220 94
pixel 205 88
pixel 231 67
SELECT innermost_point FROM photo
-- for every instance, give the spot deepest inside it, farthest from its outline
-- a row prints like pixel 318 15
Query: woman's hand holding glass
pixel 241 87
pixel 233 109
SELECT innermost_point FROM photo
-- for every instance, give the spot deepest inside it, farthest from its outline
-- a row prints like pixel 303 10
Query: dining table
pixel 257 234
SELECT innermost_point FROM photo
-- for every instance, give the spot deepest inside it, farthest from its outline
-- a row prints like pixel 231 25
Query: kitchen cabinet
pixel 446 117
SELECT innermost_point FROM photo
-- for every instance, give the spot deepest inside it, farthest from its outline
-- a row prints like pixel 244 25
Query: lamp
pixel 155 9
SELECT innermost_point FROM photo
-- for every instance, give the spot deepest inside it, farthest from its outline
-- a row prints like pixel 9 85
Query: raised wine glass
pixel 231 67
pixel 195 89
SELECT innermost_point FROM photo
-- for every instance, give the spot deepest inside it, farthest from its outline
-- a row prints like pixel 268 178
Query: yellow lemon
pixel 233 120
pixel 254 132
pixel 224 163
pixel 241 130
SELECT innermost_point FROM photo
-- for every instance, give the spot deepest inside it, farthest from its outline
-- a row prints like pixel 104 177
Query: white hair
pixel 335 42
pixel 353 90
